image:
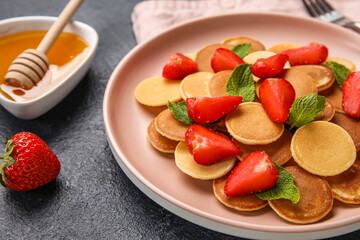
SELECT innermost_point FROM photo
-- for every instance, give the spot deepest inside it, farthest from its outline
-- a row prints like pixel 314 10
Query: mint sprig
pixel 305 109
pixel 284 188
pixel 242 49
pixel 241 83
pixel 340 71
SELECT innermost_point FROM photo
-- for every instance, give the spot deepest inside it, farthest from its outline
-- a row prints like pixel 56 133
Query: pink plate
pixel 156 174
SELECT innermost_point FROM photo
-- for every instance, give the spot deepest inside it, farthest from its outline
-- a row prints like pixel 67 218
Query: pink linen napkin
pixel 153 16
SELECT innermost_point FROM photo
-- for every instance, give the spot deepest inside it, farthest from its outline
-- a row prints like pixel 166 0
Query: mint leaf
pixel 180 112
pixel 340 71
pixel 241 83
pixel 242 49
pixel 284 188
pixel 305 109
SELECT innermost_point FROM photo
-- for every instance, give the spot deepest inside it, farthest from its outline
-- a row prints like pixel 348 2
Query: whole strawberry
pixel 28 163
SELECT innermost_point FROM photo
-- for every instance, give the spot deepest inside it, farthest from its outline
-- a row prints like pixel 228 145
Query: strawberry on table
pixel 206 110
pixel 351 94
pixel 225 59
pixel 28 163
pixel 269 67
pixel 178 67
pixel 277 97
pixel 314 53
pixel 255 173
pixel 208 147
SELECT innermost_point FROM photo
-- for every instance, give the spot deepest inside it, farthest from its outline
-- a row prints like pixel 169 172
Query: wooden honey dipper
pixel 31 65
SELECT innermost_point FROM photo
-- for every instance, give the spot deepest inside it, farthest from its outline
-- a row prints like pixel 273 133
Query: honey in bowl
pixel 64 56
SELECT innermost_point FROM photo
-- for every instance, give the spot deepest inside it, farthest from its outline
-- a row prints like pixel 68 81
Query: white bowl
pixel 36 107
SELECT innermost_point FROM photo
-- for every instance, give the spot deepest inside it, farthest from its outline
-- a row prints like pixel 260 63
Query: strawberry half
pixel 255 173
pixel 314 53
pixel 178 67
pixel 351 94
pixel 224 59
pixel 277 97
pixel 206 110
pixel 269 67
pixel 28 163
pixel 208 147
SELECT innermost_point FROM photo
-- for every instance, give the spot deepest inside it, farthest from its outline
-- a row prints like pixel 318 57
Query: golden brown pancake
pixel 345 186
pixel 204 56
pixel 316 198
pixel 351 125
pixel 255 44
pixel 168 126
pixel 249 124
pixel 278 151
pixel 158 141
pixel 347 63
pixel 242 203
pixel 323 148
pixel 157 91
pixel 277 48
pixel 322 75
pixel 328 112
pixel 334 95
pixel 217 84
pixel 195 85
pixel 186 163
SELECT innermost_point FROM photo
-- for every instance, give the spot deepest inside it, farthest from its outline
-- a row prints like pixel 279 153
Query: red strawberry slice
pixel 255 173
pixel 206 110
pixel 314 53
pixel 277 96
pixel 225 59
pixel 351 94
pixel 208 147
pixel 178 67
pixel 269 67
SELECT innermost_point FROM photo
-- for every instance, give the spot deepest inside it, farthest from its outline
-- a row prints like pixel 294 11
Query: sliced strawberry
pixel 206 110
pixel 208 147
pixel 277 96
pixel 351 94
pixel 224 59
pixel 255 173
pixel 269 67
pixel 314 53
pixel 178 67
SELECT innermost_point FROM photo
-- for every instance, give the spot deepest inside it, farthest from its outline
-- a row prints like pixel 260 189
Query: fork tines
pixel 323 10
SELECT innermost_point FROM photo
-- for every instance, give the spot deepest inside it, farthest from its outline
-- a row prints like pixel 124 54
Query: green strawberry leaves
pixel 241 83
pixel 242 49
pixel 340 72
pixel 284 188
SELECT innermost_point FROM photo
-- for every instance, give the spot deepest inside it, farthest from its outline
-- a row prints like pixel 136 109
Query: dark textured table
pixel 91 198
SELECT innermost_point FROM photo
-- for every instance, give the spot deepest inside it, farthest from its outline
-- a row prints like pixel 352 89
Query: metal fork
pixel 322 10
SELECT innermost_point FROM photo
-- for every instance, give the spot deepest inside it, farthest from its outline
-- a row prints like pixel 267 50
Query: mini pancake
pixel 322 75
pixel 217 84
pixel 204 56
pixel 351 125
pixel 249 124
pixel 323 148
pixel 316 198
pixel 303 84
pixel 168 126
pixel 157 91
pixel 328 112
pixel 277 48
pixel 347 63
pixel 186 163
pixel 255 44
pixel 242 203
pixel 192 56
pixel 278 151
pixel 158 141
pixel 220 126
pixel 334 94
pixel 195 85
pixel 345 186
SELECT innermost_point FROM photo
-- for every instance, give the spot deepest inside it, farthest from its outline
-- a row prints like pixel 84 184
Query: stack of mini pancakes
pixel 323 156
